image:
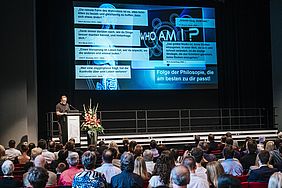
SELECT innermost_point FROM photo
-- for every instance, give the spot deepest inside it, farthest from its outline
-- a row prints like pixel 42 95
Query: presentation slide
pixel 144 47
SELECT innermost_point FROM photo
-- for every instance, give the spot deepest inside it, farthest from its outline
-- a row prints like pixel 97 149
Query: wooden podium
pixel 73 124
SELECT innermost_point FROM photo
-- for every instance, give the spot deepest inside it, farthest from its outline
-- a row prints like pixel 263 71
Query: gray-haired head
pixel 38 177
pixel 8 167
pixel 73 158
pixel 180 175
pixel 88 160
pixel 39 161
pixel 127 162
pixel 148 155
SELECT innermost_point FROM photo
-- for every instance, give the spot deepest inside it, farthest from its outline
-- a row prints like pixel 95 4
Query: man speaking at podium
pixel 62 108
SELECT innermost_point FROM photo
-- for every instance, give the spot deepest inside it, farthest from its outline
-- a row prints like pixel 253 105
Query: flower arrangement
pixel 91 123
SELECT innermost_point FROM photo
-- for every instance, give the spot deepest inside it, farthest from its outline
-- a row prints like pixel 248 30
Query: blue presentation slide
pixel 144 47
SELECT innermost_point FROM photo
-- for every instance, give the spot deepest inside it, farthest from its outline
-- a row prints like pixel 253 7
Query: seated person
pixel 8 180
pixel 231 165
pixel 263 173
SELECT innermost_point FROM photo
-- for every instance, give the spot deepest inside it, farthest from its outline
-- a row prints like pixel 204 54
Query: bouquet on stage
pixel 91 123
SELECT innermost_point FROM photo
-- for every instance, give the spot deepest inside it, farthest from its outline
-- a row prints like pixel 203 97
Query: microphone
pixel 73 107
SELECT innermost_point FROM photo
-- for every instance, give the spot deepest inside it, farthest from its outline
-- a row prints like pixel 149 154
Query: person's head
pixel 140 168
pixel 228 181
pixel 59 146
pixel 42 144
pixel 92 147
pixel 228 134
pixel 153 144
pixel 252 146
pixel 88 160
pixel 190 163
pixel 148 155
pixel 275 181
pixel 269 146
pixel 228 152
pixel 180 176
pixel 197 153
pixel 64 99
pixel 223 139
pixel 113 144
pixel 210 137
pixel 138 150
pixel 107 156
pixel 114 152
pixel 8 167
pixel 229 141
pixel 39 161
pixel 203 145
pixel 37 177
pixel 24 148
pixel 127 162
pixel 101 144
pixel 125 141
pixel 73 158
pixel 52 145
pixel 70 146
pixel 35 152
pixel 263 156
pixel 132 145
pixel 12 144
pixel 214 170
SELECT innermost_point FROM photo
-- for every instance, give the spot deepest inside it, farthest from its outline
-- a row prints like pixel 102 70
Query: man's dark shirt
pixel 262 174
pixel 62 107
pixel 9 182
pixel 127 180
pixel 248 160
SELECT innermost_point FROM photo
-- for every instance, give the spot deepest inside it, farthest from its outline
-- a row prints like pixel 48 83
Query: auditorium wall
pixel 276 40
pixel 18 96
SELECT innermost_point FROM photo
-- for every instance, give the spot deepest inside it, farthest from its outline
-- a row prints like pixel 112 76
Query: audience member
pixel 263 173
pixel 58 148
pixel 212 144
pixel 67 176
pixel 116 160
pixel 89 177
pixel 24 158
pixel 12 152
pixel 49 156
pixel 131 146
pixel 200 171
pixel 228 181
pixel 214 170
pixel 107 168
pixel 276 157
pixel 140 168
pixel 30 147
pixel 34 153
pixel 125 144
pixel 275 180
pixel 52 145
pixel 154 150
pixel 261 142
pixel 102 147
pixel 180 177
pixel 231 165
pixel 206 156
pixel 114 145
pixel 8 180
pixel 40 161
pixel 138 151
pixel 38 177
pixel 127 179
pixel 195 181
pixel 148 158
pixel 250 158
pixel 269 146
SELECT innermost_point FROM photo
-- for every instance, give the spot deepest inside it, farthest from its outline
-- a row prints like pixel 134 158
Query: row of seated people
pixel 154 165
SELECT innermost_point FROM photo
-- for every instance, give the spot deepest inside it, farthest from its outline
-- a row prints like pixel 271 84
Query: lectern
pixel 73 124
